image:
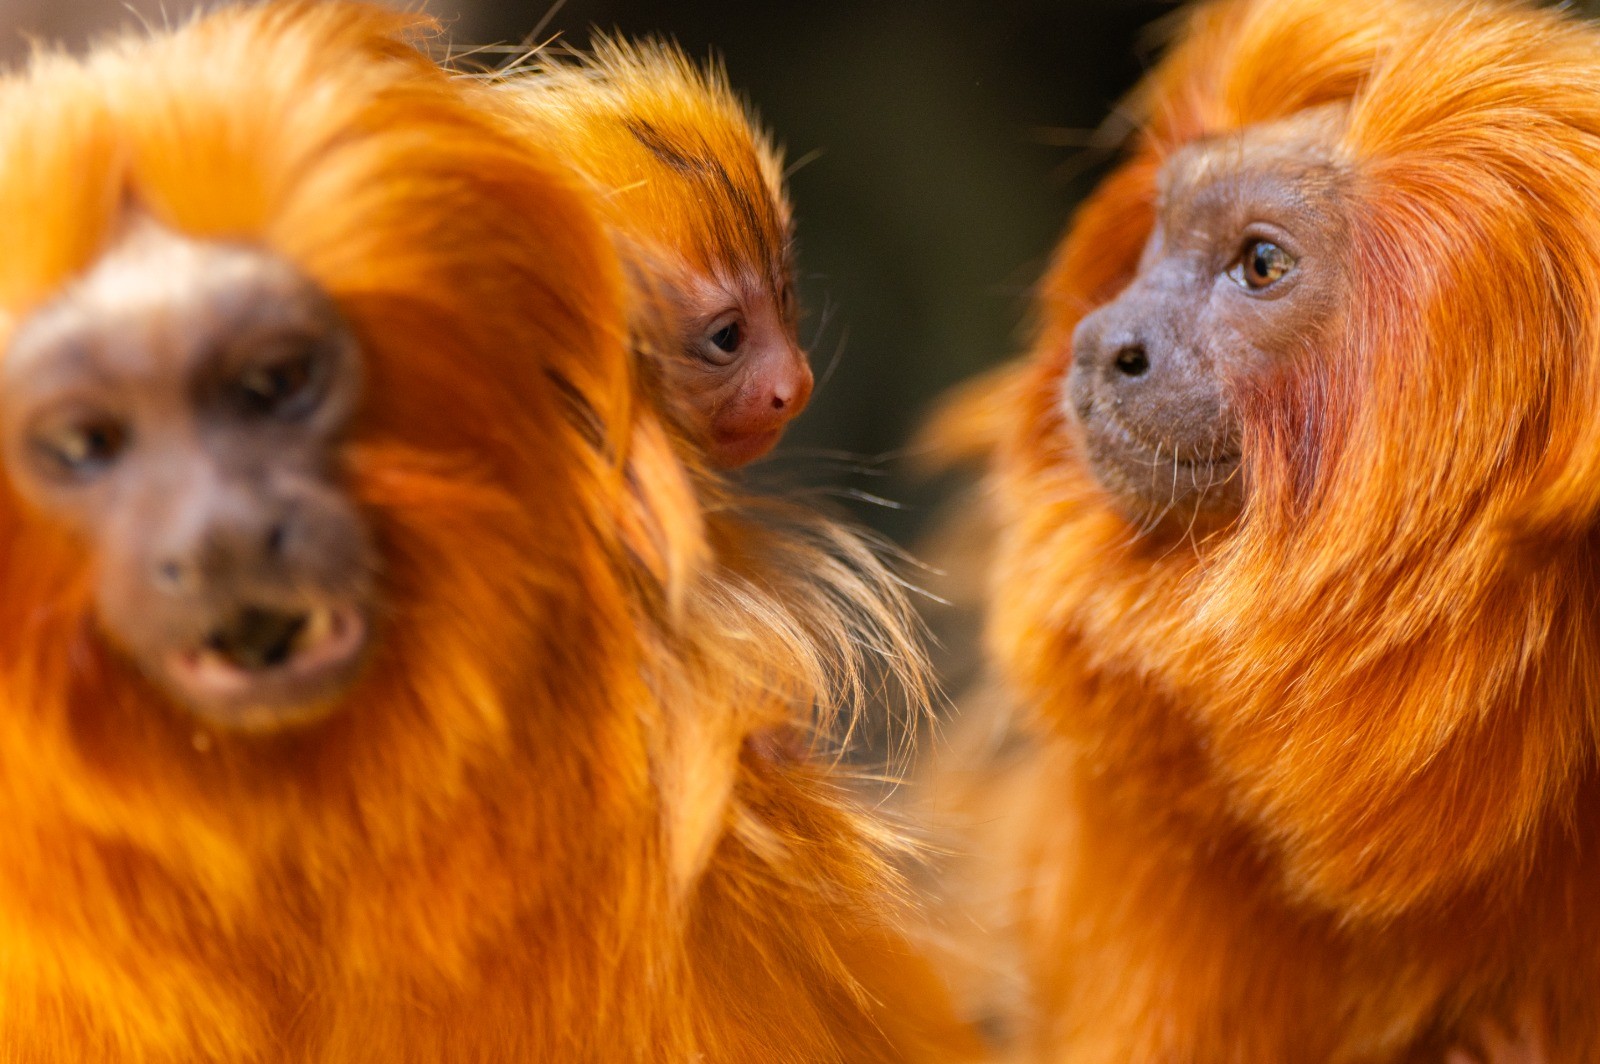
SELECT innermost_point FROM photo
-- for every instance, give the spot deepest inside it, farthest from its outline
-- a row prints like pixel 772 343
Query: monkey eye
pixel 1262 263
pixel 281 388
pixel 83 448
pixel 724 341
pixel 728 338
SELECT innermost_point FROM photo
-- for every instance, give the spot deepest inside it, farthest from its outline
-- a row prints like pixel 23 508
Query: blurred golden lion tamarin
pixel 694 191
pixel 1297 497
pixel 374 687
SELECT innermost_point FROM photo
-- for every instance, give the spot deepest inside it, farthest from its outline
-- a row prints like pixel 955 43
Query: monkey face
pixel 744 373
pixel 180 408
pixel 1244 265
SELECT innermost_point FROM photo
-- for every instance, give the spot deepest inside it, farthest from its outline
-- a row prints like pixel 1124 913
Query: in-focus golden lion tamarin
pixel 1297 592
pixel 373 688
pixel 694 191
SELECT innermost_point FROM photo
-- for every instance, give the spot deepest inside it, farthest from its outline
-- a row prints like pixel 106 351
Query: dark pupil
pixel 1268 262
pixel 727 338
pixel 88 447
pixel 266 389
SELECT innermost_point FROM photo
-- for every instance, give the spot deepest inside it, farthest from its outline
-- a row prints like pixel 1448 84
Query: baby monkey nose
pixel 792 388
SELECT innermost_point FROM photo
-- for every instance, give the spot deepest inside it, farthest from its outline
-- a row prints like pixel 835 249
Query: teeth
pixel 318 627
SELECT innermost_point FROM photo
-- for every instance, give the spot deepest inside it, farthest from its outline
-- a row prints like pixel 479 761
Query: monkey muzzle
pixel 250 607
pixel 265 668
pixel 259 647
pixel 1154 421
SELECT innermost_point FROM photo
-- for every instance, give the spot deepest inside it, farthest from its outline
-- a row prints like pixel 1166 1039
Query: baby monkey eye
pixel 279 388
pixel 722 342
pixel 83 448
pixel 1262 263
pixel 728 338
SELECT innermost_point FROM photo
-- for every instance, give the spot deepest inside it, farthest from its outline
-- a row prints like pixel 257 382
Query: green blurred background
pixel 948 141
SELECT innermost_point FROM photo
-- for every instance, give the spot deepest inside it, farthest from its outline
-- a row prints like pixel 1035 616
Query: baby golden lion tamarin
pixel 369 688
pixel 694 191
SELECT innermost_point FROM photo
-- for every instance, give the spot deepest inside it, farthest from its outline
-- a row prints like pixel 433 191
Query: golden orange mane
pixel 1304 752
pixel 535 830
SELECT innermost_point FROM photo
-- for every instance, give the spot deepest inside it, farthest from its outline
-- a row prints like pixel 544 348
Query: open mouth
pixel 262 655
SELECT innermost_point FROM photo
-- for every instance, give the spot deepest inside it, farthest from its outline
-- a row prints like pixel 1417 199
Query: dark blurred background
pixel 948 142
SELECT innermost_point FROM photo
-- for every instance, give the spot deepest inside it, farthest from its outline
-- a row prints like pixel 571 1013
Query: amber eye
pixel 280 388
pixel 84 448
pixel 1262 263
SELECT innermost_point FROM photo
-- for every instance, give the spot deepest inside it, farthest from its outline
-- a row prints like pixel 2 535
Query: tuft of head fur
pixel 537 829
pixel 1321 741
pixel 684 166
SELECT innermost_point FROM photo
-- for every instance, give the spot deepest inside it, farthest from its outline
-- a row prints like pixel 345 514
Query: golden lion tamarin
pixel 694 190
pixel 372 686
pixel 1296 583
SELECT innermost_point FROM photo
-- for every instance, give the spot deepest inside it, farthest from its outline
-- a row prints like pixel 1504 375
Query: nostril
pixel 169 575
pixel 277 536
pixel 779 402
pixel 1132 362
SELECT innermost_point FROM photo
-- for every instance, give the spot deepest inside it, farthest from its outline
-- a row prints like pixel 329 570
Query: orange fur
pixel 683 167
pixel 690 182
pixel 1323 787
pixel 535 832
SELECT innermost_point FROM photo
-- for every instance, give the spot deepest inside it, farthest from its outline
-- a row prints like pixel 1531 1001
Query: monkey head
pixel 741 370
pixel 694 191
pixel 266 433
pixel 1242 270
pixel 1307 436
pixel 180 407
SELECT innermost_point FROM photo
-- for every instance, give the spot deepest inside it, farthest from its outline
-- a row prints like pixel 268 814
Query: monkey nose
pixel 1131 360
pixel 1110 346
pixel 222 550
pixel 174 576
pixel 793 390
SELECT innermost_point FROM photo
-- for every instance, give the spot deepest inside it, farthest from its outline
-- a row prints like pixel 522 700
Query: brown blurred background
pixel 948 138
